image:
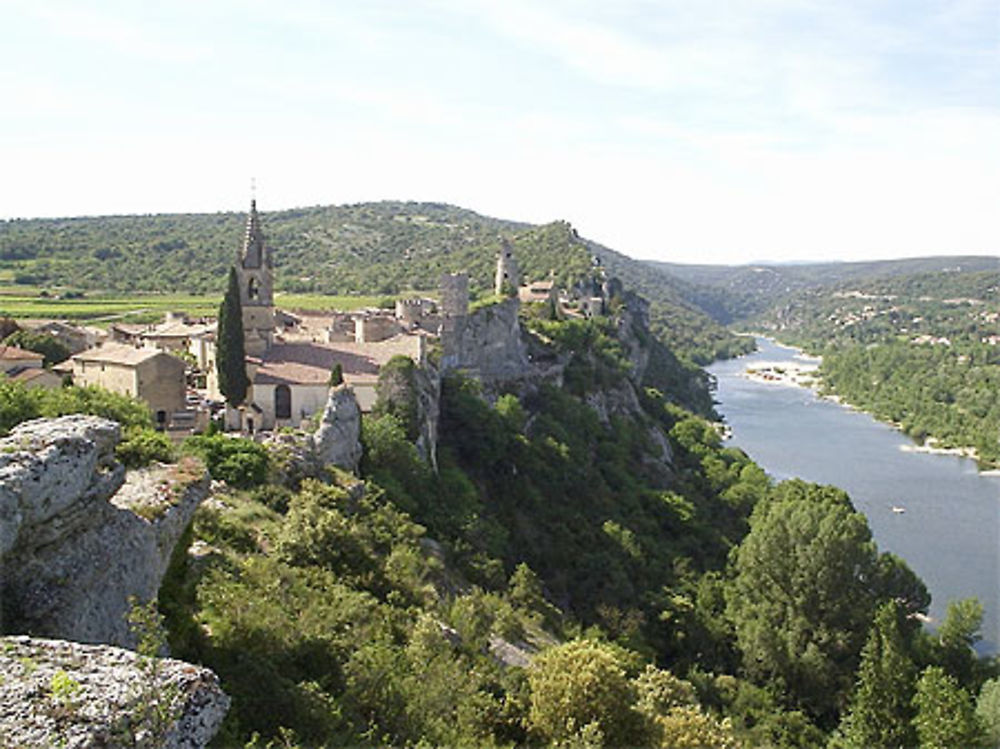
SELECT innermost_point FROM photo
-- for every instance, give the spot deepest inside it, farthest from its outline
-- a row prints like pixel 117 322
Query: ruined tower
pixel 255 272
pixel 507 279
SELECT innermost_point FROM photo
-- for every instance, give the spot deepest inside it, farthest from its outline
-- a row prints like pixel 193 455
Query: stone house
pixel 14 360
pixel 150 375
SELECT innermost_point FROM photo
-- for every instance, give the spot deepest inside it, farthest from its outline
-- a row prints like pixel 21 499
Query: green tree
pixel 230 356
pixel 336 375
pixel 945 716
pixel 580 692
pixel 41 343
pixel 881 708
pixel 799 598
pixel 988 710
pixel 957 635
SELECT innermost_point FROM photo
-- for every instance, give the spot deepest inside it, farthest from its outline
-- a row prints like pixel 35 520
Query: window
pixel 253 289
pixel 282 402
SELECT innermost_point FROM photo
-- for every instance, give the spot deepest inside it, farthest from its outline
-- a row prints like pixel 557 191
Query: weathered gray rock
pixel 337 441
pixel 56 693
pixel 51 471
pixel 86 543
pixel 488 343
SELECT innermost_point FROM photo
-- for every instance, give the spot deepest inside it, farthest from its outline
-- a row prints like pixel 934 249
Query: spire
pixel 254 254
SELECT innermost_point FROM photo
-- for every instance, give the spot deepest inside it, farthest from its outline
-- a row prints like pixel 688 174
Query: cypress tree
pixel 230 355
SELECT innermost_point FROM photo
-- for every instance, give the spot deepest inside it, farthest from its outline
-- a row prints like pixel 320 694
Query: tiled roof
pixel 118 353
pixel 310 363
pixel 13 352
pixel 27 375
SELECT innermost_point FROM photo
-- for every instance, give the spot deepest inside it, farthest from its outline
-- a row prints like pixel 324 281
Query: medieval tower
pixel 507 279
pixel 255 272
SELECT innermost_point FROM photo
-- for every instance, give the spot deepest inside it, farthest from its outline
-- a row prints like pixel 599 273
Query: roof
pixel 178 329
pixel 11 353
pixel 27 376
pixel 120 353
pixel 308 363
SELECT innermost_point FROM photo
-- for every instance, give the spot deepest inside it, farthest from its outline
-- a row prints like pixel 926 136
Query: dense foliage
pixel 674 599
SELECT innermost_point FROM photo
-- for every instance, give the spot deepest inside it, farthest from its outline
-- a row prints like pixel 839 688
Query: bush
pixel 142 446
pixel 239 462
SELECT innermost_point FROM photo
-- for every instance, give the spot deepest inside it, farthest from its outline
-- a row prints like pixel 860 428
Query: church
pixel 289 372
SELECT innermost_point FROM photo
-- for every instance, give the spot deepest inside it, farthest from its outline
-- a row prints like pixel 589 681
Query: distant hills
pixel 388 248
pixel 383 248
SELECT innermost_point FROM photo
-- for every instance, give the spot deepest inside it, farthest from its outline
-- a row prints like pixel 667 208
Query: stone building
pixel 255 274
pixel 152 376
pixel 507 277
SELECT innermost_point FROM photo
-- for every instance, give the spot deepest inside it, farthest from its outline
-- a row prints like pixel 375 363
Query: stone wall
pixel 488 344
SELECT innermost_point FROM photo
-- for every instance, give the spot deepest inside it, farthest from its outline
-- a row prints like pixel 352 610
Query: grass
pixel 22 302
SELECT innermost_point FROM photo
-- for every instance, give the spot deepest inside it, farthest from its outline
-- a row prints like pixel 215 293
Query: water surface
pixel 949 533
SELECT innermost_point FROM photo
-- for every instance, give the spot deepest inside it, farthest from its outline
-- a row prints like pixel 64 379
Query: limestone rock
pixel 51 471
pixel 338 438
pixel 56 693
pixel 488 343
pixel 86 542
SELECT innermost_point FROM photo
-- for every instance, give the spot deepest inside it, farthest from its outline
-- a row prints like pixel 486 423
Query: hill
pixel 383 248
pixel 731 293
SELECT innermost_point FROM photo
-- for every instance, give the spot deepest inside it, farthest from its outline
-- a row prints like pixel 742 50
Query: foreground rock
pixel 80 540
pixel 71 695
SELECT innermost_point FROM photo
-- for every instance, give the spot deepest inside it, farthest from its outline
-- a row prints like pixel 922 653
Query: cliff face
pixel 488 344
pixel 79 537
pixel 57 693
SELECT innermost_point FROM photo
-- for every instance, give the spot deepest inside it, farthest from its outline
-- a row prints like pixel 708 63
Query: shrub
pixel 239 462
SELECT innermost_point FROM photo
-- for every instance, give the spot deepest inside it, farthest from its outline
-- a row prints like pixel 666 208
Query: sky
pixel 695 131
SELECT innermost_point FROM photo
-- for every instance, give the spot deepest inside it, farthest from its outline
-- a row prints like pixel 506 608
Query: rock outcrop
pixel 56 693
pixel 337 441
pixel 488 344
pixel 80 539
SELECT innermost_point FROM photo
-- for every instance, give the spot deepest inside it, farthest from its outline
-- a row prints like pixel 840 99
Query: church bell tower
pixel 255 272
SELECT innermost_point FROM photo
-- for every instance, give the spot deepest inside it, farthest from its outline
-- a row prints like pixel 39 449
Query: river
pixel 935 511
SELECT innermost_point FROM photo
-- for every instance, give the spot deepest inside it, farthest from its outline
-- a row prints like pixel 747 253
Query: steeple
pixel 255 273
pixel 255 253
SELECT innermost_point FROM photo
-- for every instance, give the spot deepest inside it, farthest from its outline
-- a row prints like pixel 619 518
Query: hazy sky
pixel 694 131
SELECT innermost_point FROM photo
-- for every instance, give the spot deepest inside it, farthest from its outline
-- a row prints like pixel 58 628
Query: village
pixel 290 356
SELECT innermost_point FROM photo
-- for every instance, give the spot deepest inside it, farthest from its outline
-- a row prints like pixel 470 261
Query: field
pixel 21 302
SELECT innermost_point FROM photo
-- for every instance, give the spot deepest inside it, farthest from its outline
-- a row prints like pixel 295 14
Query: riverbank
pixel 805 372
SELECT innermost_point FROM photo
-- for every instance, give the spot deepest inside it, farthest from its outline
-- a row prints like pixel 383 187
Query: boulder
pixel 67 694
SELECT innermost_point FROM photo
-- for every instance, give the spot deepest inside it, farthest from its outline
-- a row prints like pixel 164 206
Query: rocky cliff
pixel 79 538
pixel 488 344
pixel 65 694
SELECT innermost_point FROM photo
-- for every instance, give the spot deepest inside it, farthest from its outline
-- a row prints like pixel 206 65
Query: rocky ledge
pixel 80 540
pixel 65 694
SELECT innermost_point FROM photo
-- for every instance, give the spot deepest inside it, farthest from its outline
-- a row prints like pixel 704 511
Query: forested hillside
pixel 676 599
pixel 373 248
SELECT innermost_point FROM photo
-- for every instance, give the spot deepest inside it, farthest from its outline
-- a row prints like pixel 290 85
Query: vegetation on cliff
pixel 559 580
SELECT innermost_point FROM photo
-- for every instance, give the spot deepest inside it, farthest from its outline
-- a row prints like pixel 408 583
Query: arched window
pixel 253 289
pixel 282 402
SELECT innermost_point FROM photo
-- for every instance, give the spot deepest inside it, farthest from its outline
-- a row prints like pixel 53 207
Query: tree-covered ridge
pixel 677 599
pixel 921 351
pixel 382 248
